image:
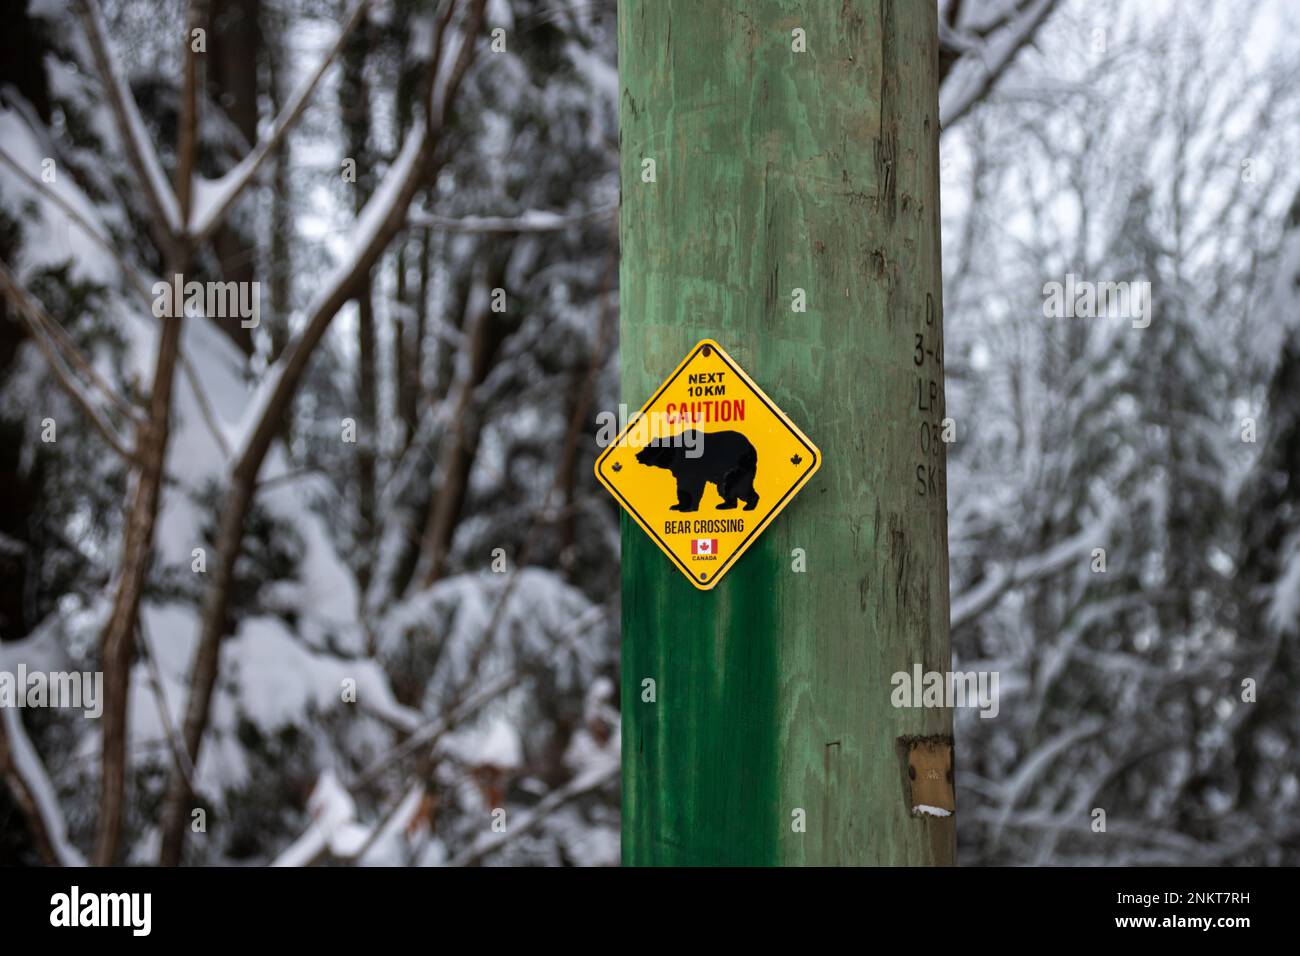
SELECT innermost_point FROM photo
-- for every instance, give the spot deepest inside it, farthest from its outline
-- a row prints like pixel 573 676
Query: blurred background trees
pixel 418 626
pixel 1136 143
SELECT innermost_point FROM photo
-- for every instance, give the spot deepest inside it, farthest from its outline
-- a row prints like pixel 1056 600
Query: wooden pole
pixel 780 194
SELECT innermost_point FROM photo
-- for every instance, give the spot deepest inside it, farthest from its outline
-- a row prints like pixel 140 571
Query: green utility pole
pixel 780 194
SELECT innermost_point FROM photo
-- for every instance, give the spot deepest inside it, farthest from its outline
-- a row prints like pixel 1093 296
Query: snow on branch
pixel 334 829
pixel 22 770
pixel 41 326
pixel 975 601
pixel 532 221
pixel 584 783
pixel 379 222
pixel 432 733
pixel 208 215
pixel 130 125
pixel 1032 767
pixel 955 100
pixel 137 281
pixel 383 216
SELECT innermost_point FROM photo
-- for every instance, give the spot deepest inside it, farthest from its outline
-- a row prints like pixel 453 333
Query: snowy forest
pixel 335 543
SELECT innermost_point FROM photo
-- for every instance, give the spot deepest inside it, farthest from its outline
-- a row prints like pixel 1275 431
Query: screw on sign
pixel 707 464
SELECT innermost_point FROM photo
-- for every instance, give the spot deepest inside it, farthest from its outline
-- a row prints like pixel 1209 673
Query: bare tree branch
pixel 206 411
pixel 455 453
pixel 187 140
pixel 183 764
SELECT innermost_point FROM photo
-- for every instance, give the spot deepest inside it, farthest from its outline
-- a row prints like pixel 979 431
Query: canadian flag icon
pixel 704 546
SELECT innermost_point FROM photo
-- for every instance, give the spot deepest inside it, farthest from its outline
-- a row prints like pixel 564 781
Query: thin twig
pixel 112 248
pixel 39 323
pixel 206 411
pixel 1018 35
pixel 530 819
pixel 229 187
pixel 142 156
pixel 580 410
pixel 182 759
pixel 430 734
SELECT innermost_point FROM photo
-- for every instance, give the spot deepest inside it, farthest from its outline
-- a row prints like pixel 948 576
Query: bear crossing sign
pixel 707 464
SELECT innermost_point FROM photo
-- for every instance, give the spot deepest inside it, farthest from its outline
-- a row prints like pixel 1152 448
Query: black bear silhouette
pixel 727 459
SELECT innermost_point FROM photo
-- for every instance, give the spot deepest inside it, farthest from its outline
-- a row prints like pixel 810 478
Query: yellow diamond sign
pixel 707 463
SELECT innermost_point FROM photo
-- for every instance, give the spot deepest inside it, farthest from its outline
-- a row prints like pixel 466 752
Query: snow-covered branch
pixel 68 209
pixel 384 214
pixel 584 783
pixel 333 809
pixel 1035 764
pixel 975 601
pixel 434 731
pixel 30 787
pixel 131 129
pixel 334 829
pixel 955 100
pixel 40 325
pixel 380 220
pixel 535 220
pixel 207 217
